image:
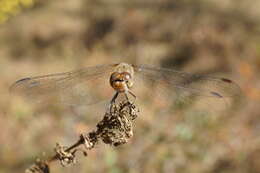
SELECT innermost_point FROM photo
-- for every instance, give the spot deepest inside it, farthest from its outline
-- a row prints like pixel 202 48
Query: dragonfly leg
pixel 113 100
pixel 127 98
pixel 132 94
pixel 125 93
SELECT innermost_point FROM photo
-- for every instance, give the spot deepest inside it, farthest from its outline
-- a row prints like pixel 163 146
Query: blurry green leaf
pixel 12 7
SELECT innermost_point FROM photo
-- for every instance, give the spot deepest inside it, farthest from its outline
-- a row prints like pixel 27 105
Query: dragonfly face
pixel 121 79
pixel 121 82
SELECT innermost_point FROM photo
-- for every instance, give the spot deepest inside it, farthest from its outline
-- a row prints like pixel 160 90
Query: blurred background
pixel 216 37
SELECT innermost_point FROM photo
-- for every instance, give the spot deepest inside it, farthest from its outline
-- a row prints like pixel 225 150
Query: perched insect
pixel 122 78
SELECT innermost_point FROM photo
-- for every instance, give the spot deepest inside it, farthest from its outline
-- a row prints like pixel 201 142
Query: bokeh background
pixel 217 37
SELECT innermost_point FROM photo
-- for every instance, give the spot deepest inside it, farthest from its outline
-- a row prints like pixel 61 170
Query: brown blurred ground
pixel 206 37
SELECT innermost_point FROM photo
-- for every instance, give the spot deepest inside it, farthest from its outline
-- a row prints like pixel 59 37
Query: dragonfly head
pixel 121 82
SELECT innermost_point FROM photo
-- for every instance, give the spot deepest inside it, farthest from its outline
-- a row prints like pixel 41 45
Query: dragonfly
pixel 122 78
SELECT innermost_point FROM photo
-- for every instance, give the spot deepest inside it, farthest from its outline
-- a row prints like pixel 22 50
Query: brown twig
pixel 115 129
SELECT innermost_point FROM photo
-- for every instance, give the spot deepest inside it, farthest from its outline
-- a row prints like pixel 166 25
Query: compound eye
pixel 115 76
pixel 126 75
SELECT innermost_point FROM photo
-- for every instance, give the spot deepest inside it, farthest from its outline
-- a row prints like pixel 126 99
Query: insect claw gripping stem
pixel 115 129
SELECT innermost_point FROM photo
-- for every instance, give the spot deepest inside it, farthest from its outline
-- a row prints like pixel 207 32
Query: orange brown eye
pixel 115 76
pixel 126 75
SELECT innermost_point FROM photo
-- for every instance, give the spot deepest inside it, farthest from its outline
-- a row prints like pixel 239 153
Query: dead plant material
pixel 116 128
pixel 39 167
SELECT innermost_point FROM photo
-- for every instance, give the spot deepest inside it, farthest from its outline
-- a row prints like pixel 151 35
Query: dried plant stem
pixel 115 129
pixel 77 144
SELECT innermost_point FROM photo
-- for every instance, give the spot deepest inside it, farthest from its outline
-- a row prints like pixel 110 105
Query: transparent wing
pixel 76 87
pixel 186 88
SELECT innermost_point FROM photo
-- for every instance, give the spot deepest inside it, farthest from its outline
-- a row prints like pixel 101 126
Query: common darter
pixel 84 86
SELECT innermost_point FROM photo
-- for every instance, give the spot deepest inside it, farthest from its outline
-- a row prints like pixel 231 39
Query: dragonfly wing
pixel 75 87
pixel 185 87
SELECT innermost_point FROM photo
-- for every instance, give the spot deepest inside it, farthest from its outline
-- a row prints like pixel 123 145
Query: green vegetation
pixel 10 8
